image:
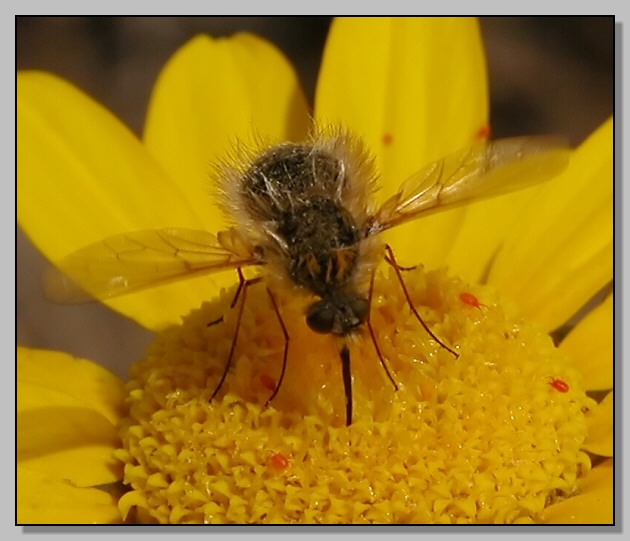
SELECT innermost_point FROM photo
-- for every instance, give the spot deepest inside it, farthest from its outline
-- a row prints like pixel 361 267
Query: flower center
pixel 492 436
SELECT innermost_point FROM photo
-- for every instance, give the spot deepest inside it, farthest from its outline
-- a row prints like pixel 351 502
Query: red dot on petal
pixel 470 299
pixel 279 461
pixel 560 385
pixel 484 132
pixel 388 138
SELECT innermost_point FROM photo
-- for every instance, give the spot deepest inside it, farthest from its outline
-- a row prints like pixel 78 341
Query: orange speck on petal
pixel 470 300
pixel 559 385
pixel 279 461
pixel 484 132
pixel 388 138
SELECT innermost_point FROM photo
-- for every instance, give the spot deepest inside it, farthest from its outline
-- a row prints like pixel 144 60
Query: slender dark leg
pixel 286 348
pixel 347 381
pixel 243 285
pixel 215 322
pixel 392 261
pixel 371 329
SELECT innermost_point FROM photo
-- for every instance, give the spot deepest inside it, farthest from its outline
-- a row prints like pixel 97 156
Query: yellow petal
pixel 83 176
pixel 67 410
pixel 415 89
pixel 82 172
pixel 590 344
pixel 419 81
pixel 45 500
pixel 484 226
pixel 89 383
pixel 594 503
pixel 600 428
pixel 561 253
pixel 211 94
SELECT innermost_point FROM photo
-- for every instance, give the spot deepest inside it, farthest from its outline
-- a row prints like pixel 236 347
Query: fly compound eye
pixel 321 317
pixel 361 308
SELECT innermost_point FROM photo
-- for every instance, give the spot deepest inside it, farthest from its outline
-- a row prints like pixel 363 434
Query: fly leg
pixel 243 286
pixel 392 261
pixel 286 348
pixel 242 283
pixel 373 336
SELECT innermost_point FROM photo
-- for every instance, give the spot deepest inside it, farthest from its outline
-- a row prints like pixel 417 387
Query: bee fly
pixel 305 213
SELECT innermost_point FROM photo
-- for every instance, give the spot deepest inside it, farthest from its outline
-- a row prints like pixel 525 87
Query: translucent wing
pixel 480 171
pixel 125 263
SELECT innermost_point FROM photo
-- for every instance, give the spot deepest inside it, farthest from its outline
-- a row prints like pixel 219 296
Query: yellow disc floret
pixel 491 436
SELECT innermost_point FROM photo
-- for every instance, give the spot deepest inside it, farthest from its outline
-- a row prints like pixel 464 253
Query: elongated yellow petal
pixel 561 253
pixel 83 176
pixel 416 90
pixel 484 226
pixel 594 504
pixel 212 94
pixel 45 500
pixel 600 428
pixel 82 172
pixel 67 410
pixel 89 383
pixel 487 223
pixel 590 344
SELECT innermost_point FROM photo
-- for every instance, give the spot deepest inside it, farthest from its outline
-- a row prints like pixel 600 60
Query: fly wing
pixel 125 263
pixel 477 172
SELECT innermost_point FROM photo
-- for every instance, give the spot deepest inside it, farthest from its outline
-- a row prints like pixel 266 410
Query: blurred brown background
pixel 547 75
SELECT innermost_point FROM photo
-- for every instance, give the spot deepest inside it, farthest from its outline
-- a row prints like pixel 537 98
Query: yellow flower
pixel 546 250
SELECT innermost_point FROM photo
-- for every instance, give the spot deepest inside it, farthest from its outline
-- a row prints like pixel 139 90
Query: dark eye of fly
pixel 321 317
